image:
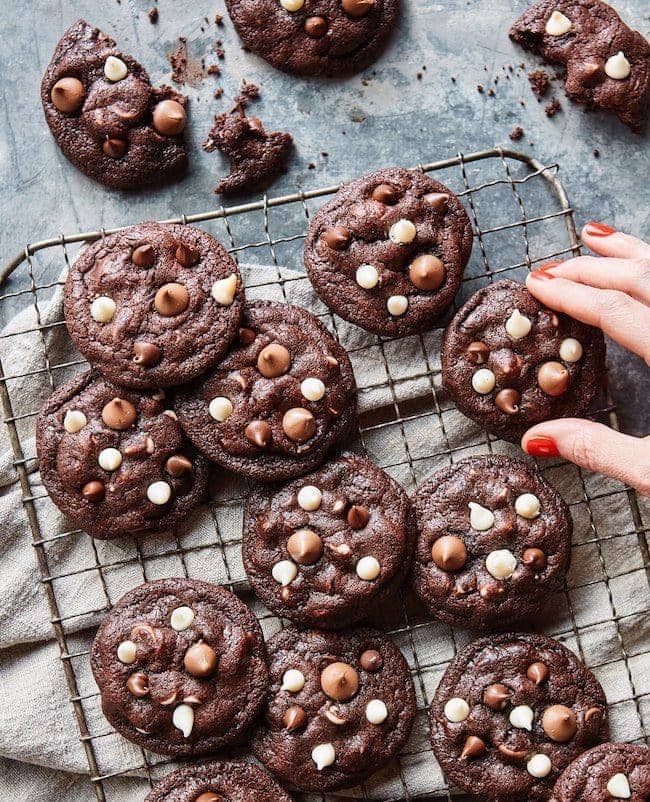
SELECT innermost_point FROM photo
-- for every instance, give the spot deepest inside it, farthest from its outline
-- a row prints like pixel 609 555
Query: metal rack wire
pixel 498 187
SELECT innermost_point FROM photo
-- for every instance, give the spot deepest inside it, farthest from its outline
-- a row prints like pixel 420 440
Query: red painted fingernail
pixel 542 446
pixel 599 229
pixel 543 271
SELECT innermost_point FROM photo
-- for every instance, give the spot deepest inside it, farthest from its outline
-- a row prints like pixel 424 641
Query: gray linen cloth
pixel 41 756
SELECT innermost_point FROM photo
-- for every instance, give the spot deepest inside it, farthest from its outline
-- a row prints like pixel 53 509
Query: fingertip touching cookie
pixel 153 305
pixel 336 37
pixel 181 667
pixel 324 550
pixel 280 400
pixel 107 118
pixel 340 707
pixel 116 461
pixel 508 362
pixel 388 251
pixel 494 540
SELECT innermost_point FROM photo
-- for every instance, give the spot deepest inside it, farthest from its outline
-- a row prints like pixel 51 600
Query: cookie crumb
pixel 218 19
pixel 552 108
pixel 539 82
pixel 480 88
pixel 153 15
pixel 517 133
pixel 596 153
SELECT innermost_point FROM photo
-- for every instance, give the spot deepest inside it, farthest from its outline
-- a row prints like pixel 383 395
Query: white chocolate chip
pixel 518 325
pixel 115 69
pixel 619 787
pixel 220 408
pixel 456 710
pixel 74 420
pixel 309 498
pixel 522 717
pixel 367 276
pixel 126 652
pixel 159 493
pixel 397 305
pixel 109 459
pixel 292 5
pixel 527 505
pixel 501 563
pixel 223 291
pixel 102 309
pixel 183 719
pixel 539 765
pixel 368 568
pixel 181 618
pixel 376 711
pixel 618 67
pixel 557 24
pixel 483 381
pixel 570 350
pixel 402 232
pixel 312 389
pixel 480 517
pixel 284 572
pixel 323 755
pixel 293 680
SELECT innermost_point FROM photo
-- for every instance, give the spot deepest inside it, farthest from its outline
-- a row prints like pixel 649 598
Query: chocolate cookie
pixel 181 668
pixel 218 782
pixel 153 305
pixel 116 461
pixel 256 156
pixel 340 707
pixel 607 63
pixel 606 772
pixel 388 251
pixel 278 402
pixel 511 712
pixel 323 550
pixel 107 118
pixel 494 540
pixel 509 362
pixel 327 37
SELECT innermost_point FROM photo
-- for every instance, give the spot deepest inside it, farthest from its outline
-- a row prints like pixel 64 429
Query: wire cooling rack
pixel 521 217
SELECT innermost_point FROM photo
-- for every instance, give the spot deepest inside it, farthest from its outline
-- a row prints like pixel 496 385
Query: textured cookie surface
pixel 107 118
pixel 218 782
pixel 328 37
pixel 323 550
pixel 278 402
pixel 494 541
pixel 153 305
pixel 181 668
pixel 340 707
pixel 508 362
pixel 388 251
pixel 606 772
pixel 511 712
pixel 116 461
pixel 607 63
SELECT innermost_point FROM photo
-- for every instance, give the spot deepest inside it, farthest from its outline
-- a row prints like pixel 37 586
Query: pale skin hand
pixel 611 291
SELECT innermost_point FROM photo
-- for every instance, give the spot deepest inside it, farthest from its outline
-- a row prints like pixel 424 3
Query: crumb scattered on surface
pixel 153 15
pixel 218 92
pixel 480 88
pixel 552 108
pixel 218 19
pixel 491 93
pixel 185 70
pixel 539 82
pixel 213 70
pixel 517 133
pixel 596 153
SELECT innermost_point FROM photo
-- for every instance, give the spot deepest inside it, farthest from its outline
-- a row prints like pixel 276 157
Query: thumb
pixel 595 447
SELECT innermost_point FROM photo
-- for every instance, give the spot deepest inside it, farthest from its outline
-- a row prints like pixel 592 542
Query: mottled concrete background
pixel 383 117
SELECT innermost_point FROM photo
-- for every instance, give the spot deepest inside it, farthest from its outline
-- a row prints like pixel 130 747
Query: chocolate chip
pixel 553 378
pixel 513 754
pixel 477 353
pixel 371 660
pixel 299 424
pixel 384 193
pixel 178 465
pixel 187 255
pixel 508 401
pixel 273 360
pixel 246 336
pixel 537 672
pixel 258 432
pixel 559 723
pixel 294 718
pixel 474 747
pixel 437 200
pixel 534 558
pixel 171 299
pixel 146 354
pixel 357 8
pixel 358 516
pixel 339 681
pixel 427 272
pixel 169 118
pixel 200 660
pixel 138 684
pixel 143 255
pixel 315 27
pixel 68 95
pixel 496 696
pixel 115 148
pixel 209 796
pixel 93 491
pixel 305 547
pixel 119 414
pixel 336 238
pixel 449 553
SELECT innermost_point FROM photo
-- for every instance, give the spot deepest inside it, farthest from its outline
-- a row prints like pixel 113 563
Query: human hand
pixel 611 291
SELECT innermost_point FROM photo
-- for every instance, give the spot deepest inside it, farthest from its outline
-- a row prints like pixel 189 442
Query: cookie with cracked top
pixel 181 668
pixel 323 550
pixel 388 251
pixel 494 540
pixel 607 63
pixel 606 772
pixel 280 400
pixel 511 712
pixel 116 461
pixel 153 305
pixel 509 362
pixel 332 37
pixel 218 782
pixel 107 118
pixel 340 707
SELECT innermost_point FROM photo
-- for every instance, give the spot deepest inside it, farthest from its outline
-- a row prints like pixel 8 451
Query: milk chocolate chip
pixel 115 148
pixel 138 684
pixel 474 747
pixel 178 465
pixel 508 401
pixel 68 95
pixel 315 27
pixel 559 723
pixel 449 553
pixel 119 414
pixel 339 681
pixel 534 558
pixel 200 660
pixel 496 696
pixel 187 255
pixel 258 432
pixel 358 516
pixel 172 299
pixel 336 238
pixel 93 491
pixel 553 378
pixel 427 272
pixel 273 360
pixel 477 353
pixel 305 547
pixel 294 718
pixel 146 354
pixel 299 424
pixel 384 193
pixel 169 118
pixel 537 672
pixel 357 8
pixel 143 255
